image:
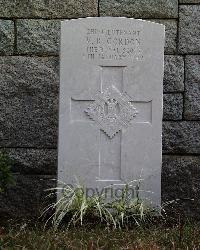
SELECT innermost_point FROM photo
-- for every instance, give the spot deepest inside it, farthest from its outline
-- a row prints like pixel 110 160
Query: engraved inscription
pixel 113 44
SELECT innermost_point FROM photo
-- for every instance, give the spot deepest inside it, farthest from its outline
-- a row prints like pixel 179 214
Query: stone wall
pixel 29 81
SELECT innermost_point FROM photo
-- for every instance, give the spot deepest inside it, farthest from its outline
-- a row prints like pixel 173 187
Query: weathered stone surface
pixel 29 101
pixel 170 34
pixel 33 161
pixel 99 78
pixel 180 180
pixel 192 85
pixel 189 1
pixel 180 183
pixel 38 36
pixel 181 137
pixel 48 9
pixel 26 197
pixel 174 73
pixel 189 29
pixel 140 9
pixel 172 106
pixel 6 37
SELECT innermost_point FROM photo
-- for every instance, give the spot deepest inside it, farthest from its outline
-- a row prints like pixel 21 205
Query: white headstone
pixel 110 121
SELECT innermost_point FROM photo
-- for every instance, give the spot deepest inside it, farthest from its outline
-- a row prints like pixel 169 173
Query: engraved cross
pixel 110 142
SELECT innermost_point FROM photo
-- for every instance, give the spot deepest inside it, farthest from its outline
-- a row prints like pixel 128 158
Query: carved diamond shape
pixel 111 110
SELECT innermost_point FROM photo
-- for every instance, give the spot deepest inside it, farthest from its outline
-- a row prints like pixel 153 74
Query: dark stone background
pixel 29 81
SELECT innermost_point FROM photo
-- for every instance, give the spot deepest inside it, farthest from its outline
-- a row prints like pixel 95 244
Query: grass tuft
pixel 74 207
